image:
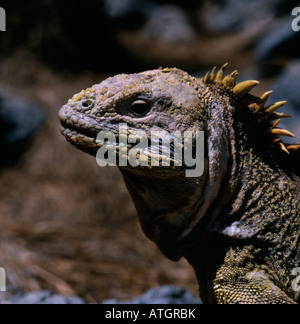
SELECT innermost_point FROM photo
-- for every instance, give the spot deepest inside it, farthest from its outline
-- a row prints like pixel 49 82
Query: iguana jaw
pixel 86 140
pixel 170 208
pixel 80 129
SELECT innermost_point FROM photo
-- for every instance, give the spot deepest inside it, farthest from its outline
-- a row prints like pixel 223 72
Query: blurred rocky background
pixel 68 226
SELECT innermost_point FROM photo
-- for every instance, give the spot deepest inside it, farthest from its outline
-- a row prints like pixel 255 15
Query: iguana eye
pixel 140 108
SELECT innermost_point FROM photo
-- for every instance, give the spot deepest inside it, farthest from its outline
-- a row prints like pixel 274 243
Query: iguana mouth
pixel 83 132
pixel 69 132
pixel 79 123
pixel 86 140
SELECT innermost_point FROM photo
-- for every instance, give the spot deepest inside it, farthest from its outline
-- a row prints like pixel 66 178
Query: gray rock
pixel 169 23
pixel 123 8
pixel 236 15
pixel 279 41
pixel 38 298
pixel 165 295
pixel 19 121
pixel 161 295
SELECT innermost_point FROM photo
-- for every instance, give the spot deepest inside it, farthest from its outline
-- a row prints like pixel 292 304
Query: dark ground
pixel 67 225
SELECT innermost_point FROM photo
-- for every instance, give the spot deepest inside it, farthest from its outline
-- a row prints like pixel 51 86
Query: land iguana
pixel 237 224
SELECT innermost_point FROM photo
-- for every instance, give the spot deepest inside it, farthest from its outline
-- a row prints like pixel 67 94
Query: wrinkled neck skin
pixel 171 206
pixel 260 208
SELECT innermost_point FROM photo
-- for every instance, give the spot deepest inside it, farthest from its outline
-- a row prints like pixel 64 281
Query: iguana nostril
pixel 87 104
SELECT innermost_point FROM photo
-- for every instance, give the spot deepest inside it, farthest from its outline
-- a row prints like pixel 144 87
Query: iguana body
pixel 237 224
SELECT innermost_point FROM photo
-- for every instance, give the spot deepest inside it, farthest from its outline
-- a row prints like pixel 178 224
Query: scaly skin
pixel 237 224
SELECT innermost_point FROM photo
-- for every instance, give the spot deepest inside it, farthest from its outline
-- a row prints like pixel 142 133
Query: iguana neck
pixel 264 193
pixel 262 216
pixel 258 191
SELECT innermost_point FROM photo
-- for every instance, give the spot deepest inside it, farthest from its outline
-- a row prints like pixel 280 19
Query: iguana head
pixel 162 100
pixel 171 103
